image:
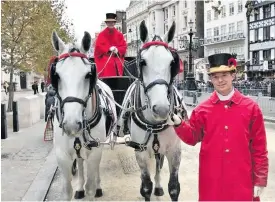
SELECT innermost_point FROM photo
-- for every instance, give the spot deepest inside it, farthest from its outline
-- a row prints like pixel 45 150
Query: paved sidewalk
pixel 22 156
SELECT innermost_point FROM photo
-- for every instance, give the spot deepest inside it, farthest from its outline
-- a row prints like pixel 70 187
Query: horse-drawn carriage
pixel 145 99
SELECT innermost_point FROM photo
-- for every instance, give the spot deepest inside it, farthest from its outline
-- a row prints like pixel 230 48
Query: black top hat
pixel 221 62
pixel 110 17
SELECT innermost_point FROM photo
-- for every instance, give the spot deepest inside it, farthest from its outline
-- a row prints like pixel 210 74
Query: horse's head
pixel 73 77
pixel 158 65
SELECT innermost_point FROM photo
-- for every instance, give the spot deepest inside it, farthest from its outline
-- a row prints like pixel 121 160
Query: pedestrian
pixel 36 87
pixel 233 162
pixel 49 101
pixel 110 49
pixel 42 85
pixel 6 87
pixel 33 88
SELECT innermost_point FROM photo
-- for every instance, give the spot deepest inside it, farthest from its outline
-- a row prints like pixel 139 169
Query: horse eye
pixel 88 76
pixel 142 62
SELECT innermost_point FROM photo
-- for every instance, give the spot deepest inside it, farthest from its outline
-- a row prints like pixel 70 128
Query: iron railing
pixel 267 104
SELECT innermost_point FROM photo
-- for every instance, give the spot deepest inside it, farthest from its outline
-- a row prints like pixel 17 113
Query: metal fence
pixel 267 104
pixel 265 91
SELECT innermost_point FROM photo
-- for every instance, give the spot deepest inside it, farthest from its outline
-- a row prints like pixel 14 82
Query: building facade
pixel 159 16
pixel 261 47
pixel 226 31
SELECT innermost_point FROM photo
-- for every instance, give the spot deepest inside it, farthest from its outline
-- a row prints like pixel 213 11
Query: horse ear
pixel 143 31
pixel 86 42
pixel 57 43
pixel 170 34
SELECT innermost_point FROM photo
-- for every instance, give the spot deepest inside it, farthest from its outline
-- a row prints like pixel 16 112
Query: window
pixel 266 34
pixel 267 11
pixel 217 50
pixel 165 13
pixel 209 16
pixel 185 4
pixel 223 30
pixel 166 28
pixel 231 28
pixel 240 6
pixel 185 21
pixel 255 56
pixel 256 35
pixel 240 26
pixel 216 33
pixel 174 10
pixel 154 30
pixel 267 54
pixel 223 11
pixel 234 49
pixel 209 33
pixel 256 14
pixel 154 16
pixel 231 9
pixel 216 15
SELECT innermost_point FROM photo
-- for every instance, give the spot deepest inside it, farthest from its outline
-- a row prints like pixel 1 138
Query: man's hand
pixel 175 120
pixel 258 191
pixel 113 49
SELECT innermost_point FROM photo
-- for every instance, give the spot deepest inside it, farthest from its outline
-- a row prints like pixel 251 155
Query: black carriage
pixel 120 84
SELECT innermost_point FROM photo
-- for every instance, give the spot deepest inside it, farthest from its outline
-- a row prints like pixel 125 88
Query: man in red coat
pixel 233 162
pixel 110 41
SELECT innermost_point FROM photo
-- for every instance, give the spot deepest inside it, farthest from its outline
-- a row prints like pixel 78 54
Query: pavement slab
pixel 23 154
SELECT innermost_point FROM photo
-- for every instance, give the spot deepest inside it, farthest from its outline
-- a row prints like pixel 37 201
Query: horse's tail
pixel 74 168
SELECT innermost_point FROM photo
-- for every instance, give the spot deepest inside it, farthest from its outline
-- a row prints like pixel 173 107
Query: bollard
pixel 272 90
pixel 15 116
pixel 4 132
pixel 195 98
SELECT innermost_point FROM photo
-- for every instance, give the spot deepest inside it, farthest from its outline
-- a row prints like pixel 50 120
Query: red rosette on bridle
pixel 232 62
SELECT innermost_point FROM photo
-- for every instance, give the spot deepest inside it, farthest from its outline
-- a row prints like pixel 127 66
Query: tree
pixel 25 36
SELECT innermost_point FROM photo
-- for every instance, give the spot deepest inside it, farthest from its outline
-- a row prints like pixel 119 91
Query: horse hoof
pixel 98 193
pixel 159 191
pixel 79 194
pixel 147 198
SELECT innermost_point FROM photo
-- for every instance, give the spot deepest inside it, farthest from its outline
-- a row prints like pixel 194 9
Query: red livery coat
pixel 104 41
pixel 233 154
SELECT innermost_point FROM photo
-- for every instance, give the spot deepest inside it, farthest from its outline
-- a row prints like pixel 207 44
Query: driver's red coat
pixel 104 41
pixel 233 154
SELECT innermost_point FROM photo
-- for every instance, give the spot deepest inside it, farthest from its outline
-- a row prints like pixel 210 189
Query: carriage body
pixel 120 84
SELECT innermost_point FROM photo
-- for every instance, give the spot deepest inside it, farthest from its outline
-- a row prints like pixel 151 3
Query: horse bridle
pixel 54 80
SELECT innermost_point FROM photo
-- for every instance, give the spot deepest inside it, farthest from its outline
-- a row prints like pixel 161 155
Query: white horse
pixel 151 100
pixel 81 114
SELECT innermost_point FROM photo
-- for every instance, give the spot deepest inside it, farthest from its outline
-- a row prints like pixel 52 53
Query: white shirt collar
pixel 226 97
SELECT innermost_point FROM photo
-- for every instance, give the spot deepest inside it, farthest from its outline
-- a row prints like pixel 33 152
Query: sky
pixel 87 15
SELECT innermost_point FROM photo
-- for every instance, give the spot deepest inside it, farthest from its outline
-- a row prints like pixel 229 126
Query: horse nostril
pixel 79 125
pixel 154 109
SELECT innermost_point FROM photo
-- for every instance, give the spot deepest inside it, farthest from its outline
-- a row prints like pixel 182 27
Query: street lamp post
pixel 130 31
pixel 190 46
pixel 193 44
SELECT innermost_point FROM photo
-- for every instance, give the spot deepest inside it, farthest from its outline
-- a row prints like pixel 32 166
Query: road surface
pixel 120 174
